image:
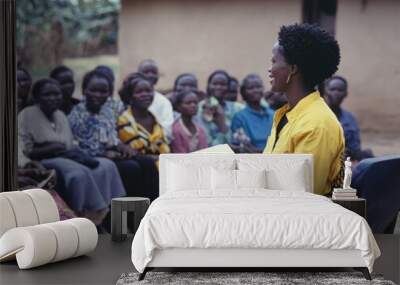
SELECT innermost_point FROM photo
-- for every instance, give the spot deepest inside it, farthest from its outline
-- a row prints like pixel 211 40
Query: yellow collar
pixel 156 128
pixel 302 105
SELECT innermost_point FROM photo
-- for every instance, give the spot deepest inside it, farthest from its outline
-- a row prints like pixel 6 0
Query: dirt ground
pixel 381 143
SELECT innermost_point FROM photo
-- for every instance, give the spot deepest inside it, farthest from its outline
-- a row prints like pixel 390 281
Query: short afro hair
pixel 338 77
pixel 60 69
pixel 313 50
pixel 107 71
pixel 39 85
pixel 180 76
pixel 182 95
pixel 20 68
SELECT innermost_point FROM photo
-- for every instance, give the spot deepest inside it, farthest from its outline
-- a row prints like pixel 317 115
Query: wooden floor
pixel 110 260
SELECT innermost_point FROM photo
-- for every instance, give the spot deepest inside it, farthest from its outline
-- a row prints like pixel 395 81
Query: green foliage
pixel 60 25
pixel 81 19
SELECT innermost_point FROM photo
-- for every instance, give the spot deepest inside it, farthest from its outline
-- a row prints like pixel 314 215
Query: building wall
pixel 200 36
pixel 369 36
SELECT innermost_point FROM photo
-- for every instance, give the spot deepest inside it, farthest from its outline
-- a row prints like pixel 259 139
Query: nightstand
pixel 119 215
pixel 358 205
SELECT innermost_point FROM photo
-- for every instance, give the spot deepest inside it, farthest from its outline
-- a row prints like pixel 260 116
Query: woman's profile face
pixel 186 83
pixel 97 91
pixel 143 95
pixel 218 86
pixel 279 71
pixel 50 98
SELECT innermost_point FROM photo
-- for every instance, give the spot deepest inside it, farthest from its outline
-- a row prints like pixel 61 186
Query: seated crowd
pixel 101 147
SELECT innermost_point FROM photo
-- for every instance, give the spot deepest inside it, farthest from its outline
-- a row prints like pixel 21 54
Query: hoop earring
pixel 288 79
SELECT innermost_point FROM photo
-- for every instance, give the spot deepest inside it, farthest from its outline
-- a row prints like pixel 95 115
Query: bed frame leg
pixel 364 271
pixel 143 274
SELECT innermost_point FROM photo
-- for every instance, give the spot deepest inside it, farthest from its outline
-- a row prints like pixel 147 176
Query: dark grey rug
pixel 228 278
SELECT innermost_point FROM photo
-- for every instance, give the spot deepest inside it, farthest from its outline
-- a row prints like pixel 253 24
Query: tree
pixel 47 30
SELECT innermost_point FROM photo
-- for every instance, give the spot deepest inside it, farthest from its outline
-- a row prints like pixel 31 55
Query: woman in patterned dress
pixel 93 124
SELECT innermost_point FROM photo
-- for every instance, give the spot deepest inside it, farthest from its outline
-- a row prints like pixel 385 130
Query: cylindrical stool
pixel 119 220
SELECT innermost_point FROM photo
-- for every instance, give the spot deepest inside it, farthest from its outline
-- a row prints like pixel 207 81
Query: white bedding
pixel 250 219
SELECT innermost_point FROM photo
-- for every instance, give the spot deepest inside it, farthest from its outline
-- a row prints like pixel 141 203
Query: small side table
pixel 119 218
pixel 358 205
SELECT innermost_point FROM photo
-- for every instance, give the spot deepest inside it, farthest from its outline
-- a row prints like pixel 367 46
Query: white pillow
pixel 217 149
pixel 293 180
pixel 251 178
pixel 281 174
pixel 223 179
pixel 231 180
pixel 186 175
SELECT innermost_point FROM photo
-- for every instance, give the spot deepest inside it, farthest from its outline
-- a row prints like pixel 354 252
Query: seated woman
pixel 233 90
pixel 93 124
pixel 24 84
pixel 302 58
pixel 65 78
pixel 46 136
pixel 116 105
pixel 32 174
pixel 184 82
pixel 137 127
pixel 255 120
pixel 188 136
pixel 215 113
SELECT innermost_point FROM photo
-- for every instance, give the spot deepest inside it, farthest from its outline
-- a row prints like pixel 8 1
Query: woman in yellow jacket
pixel 303 57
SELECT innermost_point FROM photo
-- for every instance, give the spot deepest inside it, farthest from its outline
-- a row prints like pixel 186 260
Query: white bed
pixel 247 227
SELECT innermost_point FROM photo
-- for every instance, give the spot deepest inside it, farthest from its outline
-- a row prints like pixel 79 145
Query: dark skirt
pixel 139 176
pixel 83 188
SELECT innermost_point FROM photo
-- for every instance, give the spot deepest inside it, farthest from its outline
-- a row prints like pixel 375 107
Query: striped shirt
pixel 132 133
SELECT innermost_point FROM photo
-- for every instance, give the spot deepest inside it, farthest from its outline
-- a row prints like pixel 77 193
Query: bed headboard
pixel 205 159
